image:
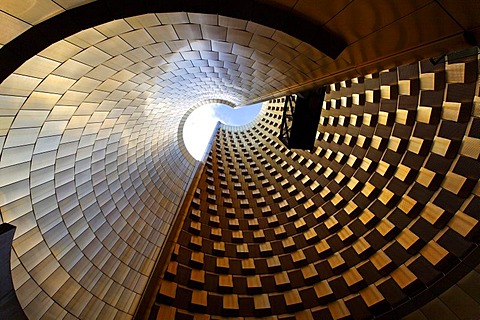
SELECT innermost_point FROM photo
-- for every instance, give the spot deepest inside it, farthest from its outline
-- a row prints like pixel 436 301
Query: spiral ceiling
pixel 93 168
pixel 376 222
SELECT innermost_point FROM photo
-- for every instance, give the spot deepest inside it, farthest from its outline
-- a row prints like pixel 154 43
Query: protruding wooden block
pixel 437 255
pixel 282 280
pixel 248 266
pixel 338 309
pixel 171 271
pixel 337 263
pixel 298 258
pixel 382 262
pixel 323 291
pixel 464 225
pixel 373 298
pixel 199 299
pixel 353 279
pixel 225 283
pixel 310 236
pixel 293 300
pixel 323 248
pixel 230 304
pixel 166 312
pixel 197 259
pixel 386 228
pixel 261 304
pixel 405 279
pixel 222 264
pixel 197 278
pixel 273 264
pixel 167 292
pixel 362 247
pixel 254 285
pixel 309 273
pixel 288 244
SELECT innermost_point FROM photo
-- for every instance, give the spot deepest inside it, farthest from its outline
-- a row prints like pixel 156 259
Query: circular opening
pixel 202 122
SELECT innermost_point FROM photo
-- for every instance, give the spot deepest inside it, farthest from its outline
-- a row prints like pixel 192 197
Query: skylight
pixel 201 124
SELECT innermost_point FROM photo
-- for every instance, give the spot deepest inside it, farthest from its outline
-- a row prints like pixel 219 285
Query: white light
pixel 201 123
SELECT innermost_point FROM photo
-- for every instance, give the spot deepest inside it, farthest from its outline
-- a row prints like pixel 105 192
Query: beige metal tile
pixel 41 101
pixel 143 21
pixel 284 53
pixel 211 32
pixel 13 174
pixel 11 27
pixel 114 46
pixel 242 51
pixel 86 38
pixel 72 69
pixel 232 22
pixel 85 84
pixel 72 98
pixel 201 45
pixel 9 105
pixel 21 137
pixel 53 128
pixel 114 28
pixel 101 73
pixel 29 118
pixel 5 123
pixel 173 17
pixel 18 85
pixel 61 51
pixel 262 44
pixel 260 30
pixel 200 18
pixel 92 56
pixel 37 67
pixel 17 154
pixel 55 84
pixel 178 45
pixel 240 37
pixel 163 33
pixel 31 12
pixel 188 31
pixel 286 39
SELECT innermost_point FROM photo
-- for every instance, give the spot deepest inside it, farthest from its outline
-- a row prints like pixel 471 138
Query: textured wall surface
pixel 381 218
pixel 93 165
pixel 93 95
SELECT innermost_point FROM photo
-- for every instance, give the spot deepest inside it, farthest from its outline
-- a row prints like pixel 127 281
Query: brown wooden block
pixel 262 305
pixel 230 305
pixel 406 279
pixel 282 280
pixel 199 300
pixel 167 292
pixel 197 278
pixel 225 283
pixel 339 310
pixel 254 284
pixel 171 271
pixel 382 262
pixel 166 312
pixel 353 279
pixel 293 301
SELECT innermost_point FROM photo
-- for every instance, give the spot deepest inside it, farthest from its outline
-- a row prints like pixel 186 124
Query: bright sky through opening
pixel 201 123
